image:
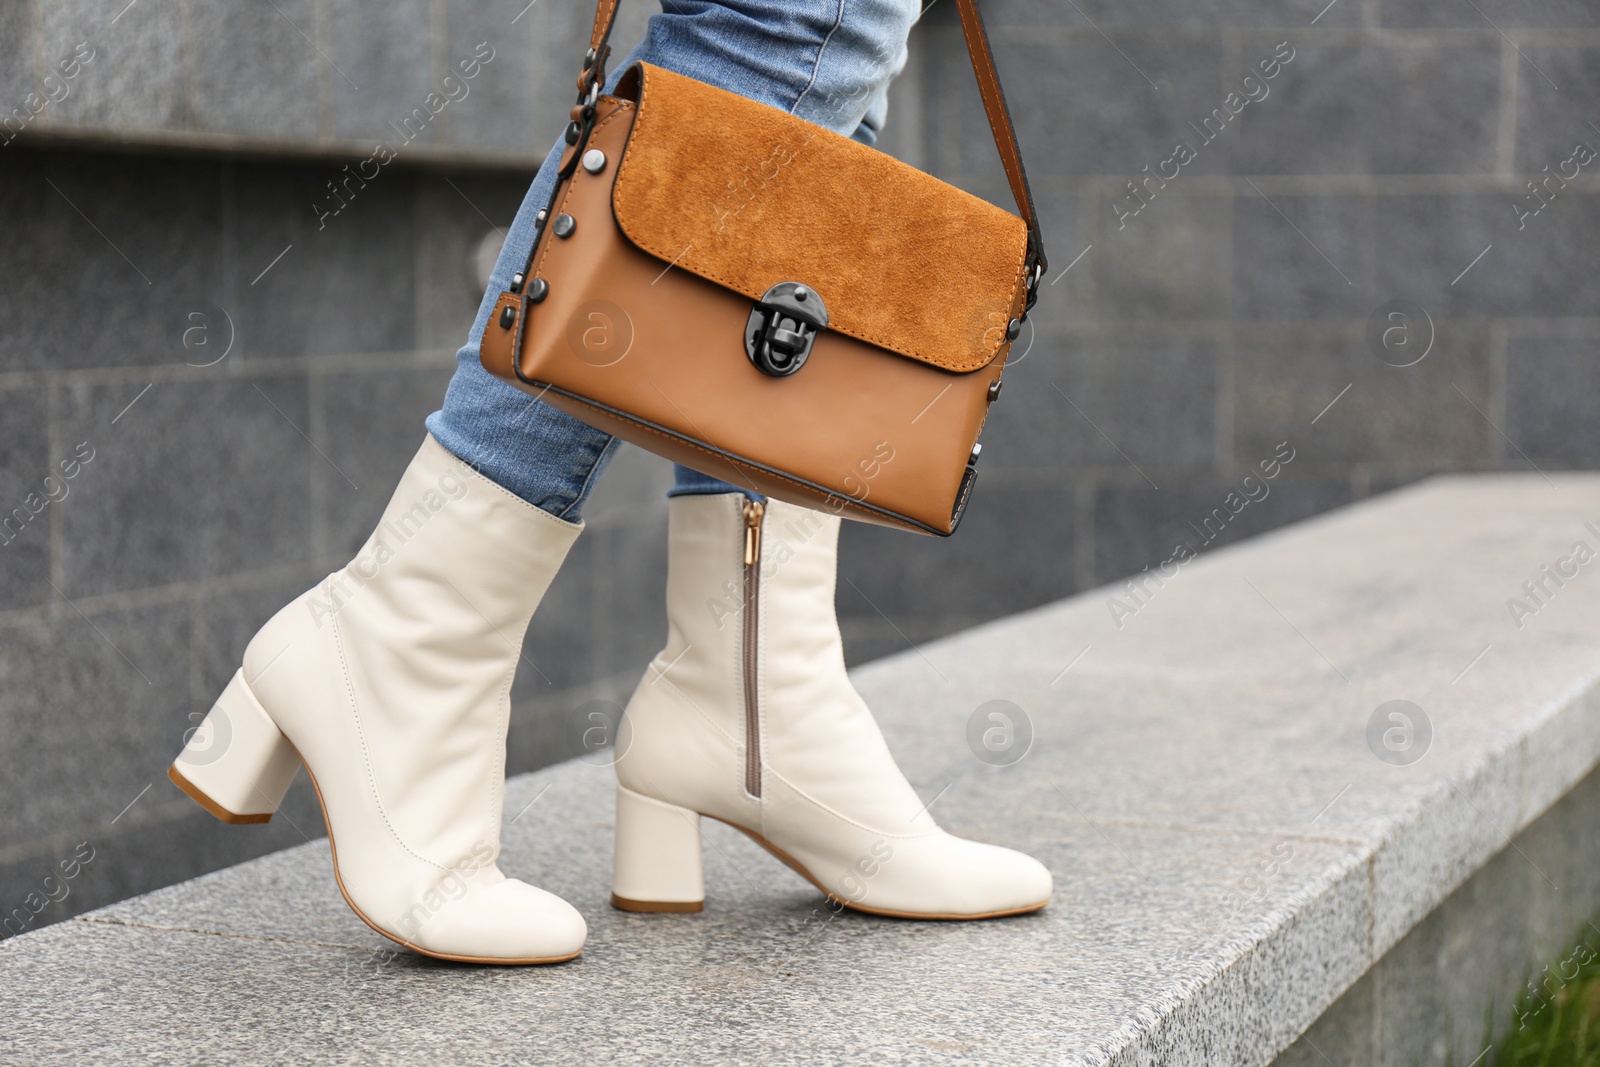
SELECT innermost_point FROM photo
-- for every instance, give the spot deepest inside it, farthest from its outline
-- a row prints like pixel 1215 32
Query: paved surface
pixel 1230 854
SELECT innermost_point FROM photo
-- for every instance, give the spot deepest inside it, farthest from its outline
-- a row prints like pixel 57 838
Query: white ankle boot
pixel 747 716
pixel 391 680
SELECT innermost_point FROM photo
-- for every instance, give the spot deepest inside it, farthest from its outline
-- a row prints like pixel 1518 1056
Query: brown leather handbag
pixel 768 302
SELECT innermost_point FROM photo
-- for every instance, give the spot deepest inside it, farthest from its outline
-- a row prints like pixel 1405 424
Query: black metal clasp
pixel 589 84
pixel 782 326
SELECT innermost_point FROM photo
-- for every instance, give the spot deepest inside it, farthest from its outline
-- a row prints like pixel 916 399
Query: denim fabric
pixel 827 61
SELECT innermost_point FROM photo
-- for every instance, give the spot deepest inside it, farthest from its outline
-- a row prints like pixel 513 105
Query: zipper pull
pixel 754 511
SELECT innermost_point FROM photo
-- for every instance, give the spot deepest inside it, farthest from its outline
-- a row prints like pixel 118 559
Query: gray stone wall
pixel 180 170
pixel 491 77
pixel 1447 992
pixel 1225 315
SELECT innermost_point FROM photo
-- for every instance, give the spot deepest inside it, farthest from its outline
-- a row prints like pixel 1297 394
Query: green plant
pixel 1556 1021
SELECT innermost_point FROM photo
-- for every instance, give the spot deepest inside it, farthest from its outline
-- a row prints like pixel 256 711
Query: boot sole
pixel 236 820
pixel 193 792
pixel 657 907
pixel 649 907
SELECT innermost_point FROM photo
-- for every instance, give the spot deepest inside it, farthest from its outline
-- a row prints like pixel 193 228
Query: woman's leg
pixel 538 452
pixel 827 61
pixel 748 714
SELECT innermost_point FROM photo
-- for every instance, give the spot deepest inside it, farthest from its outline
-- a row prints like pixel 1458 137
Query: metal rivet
pixel 594 161
pixel 1013 328
pixel 538 220
pixel 538 289
pixel 565 224
pixel 516 282
pixel 994 390
pixel 508 315
pixel 800 292
pixel 976 448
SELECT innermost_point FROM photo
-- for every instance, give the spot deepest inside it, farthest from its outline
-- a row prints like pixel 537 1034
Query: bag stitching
pixel 1007 144
pixel 725 457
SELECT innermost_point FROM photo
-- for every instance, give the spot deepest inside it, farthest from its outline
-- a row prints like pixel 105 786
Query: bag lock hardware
pixel 782 326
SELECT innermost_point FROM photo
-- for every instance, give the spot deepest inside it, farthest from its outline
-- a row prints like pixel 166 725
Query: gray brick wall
pixel 299 76
pixel 1222 318
pixel 1170 354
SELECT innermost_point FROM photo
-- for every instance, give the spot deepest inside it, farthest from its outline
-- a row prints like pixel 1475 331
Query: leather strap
pixel 994 107
pixel 999 115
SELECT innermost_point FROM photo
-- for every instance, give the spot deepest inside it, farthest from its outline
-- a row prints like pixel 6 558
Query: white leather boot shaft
pixel 392 680
pixel 804 766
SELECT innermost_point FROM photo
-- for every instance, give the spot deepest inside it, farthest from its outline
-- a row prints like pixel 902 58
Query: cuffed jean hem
pixel 693 483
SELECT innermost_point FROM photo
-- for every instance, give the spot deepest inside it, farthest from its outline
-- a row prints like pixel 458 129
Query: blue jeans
pixel 827 61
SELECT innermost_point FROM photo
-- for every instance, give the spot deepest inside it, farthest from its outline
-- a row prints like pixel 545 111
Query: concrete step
pixel 1233 842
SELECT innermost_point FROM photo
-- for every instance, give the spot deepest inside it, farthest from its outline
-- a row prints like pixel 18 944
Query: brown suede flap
pixel 747 196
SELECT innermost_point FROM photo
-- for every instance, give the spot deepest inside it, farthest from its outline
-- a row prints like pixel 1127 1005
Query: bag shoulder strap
pixel 994 107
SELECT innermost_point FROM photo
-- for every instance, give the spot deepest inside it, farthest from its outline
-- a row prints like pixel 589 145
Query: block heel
pixel 237 764
pixel 657 860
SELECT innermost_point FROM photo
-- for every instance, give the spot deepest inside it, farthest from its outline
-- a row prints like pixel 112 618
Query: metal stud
pixel 594 161
pixel 972 459
pixel 538 220
pixel 1013 328
pixel 564 225
pixel 538 289
pixel 508 315
pixel 994 390
pixel 516 282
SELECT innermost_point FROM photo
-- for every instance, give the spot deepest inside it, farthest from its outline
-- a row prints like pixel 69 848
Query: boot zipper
pixel 754 511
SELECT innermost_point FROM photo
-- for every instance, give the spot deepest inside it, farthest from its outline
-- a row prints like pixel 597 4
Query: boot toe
pixel 947 877
pixel 1013 880
pixel 507 922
